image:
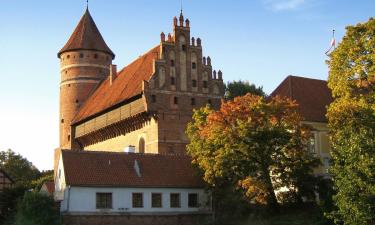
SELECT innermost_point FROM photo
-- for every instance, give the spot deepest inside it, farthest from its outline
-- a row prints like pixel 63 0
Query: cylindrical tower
pixel 84 62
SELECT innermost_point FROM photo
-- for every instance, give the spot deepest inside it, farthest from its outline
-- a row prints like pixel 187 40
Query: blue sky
pixel 261 41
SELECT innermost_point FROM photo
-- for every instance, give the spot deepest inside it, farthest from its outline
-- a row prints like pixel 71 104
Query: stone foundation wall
pixel 181 219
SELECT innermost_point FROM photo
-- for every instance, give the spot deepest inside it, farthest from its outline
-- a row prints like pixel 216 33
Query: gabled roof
pixel 110 169
pixel 49 187
pixel 86 36
pixel 126 85
pixel 6 175
pixel 312 95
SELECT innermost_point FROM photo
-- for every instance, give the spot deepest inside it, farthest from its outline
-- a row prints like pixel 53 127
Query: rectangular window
pixel 194 83
pixel 137 200
pixel 193 200
pixel 311 145
pixel 175 100
pixel 172 63
pixel 104 200
pixel 193 65
pixel 153 98
pixel 183 48
pixel 175 200
pixel 192 101
pixel 156 200
pixel 205 84
pixel 172 81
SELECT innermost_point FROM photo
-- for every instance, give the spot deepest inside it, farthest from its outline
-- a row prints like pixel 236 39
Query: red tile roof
pixel 312 95
pixel 127 84
pixel 98 169
pixel 86 36
pixel 49 186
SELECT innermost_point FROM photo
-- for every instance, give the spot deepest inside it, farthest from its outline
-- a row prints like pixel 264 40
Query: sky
pixel 261 41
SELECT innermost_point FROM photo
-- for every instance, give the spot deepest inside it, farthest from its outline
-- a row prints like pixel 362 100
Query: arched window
pixel 141 145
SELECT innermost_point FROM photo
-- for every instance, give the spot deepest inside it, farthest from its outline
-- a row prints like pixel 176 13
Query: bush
pixel 37 209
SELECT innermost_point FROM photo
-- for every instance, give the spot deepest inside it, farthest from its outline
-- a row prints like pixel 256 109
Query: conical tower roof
pixel 86 36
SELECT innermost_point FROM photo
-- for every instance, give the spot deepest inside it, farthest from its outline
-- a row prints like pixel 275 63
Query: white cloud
pixel 284 5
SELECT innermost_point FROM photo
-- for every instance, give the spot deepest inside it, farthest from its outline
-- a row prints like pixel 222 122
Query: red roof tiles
pixel 312 95
pixel 127 84
pixel 49 186
pixel 86 36
pixel 117 170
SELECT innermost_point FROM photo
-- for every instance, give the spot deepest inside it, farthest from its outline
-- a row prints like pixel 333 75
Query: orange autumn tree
pixel 257 145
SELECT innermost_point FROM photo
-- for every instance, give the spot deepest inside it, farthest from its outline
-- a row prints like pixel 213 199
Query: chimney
pixel 112 73
pixel 130 149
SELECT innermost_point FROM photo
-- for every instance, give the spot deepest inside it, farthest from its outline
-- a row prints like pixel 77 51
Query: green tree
pixel 37 209
pixel 19 168
pixel 256 144
pixel 8 203
pixel 352 123
pixel 44 177
pixel 240 88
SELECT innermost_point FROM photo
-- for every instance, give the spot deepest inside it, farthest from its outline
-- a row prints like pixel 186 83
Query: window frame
pixel 107 204
pixel 171 204
pixel 152 200
pixel 134 203
pixel 196 205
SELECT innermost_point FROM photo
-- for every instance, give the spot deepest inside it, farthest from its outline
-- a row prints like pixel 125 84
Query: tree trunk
pixel 272 203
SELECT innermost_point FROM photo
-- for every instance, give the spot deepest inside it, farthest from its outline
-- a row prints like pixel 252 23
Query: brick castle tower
pixel 85 61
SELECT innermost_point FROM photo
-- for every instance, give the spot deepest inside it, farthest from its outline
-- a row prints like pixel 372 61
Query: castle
pixel 147 104
pixel 122 149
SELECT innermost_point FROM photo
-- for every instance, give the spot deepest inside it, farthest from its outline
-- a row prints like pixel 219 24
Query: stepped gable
pixel 128 84
pixel 110 169
pixel 86 36
pixel 312 95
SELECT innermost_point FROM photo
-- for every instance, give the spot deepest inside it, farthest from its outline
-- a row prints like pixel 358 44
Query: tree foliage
pixel 8 203
pixel 240 88
pixel 17 167
pixel 37 209
pixel 352 124
pixel 255 144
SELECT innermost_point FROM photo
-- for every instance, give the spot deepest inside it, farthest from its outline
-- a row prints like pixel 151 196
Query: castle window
pixel 81 55
pixel 141 145
pixel 156 200
pixel 205 84
pixel 95 56
pixel 77 101
pixel 172 62
pixel 183 48
pixel 68 56
pixel 209 102
pixel 104 200
pixel 175 100
pixel 193 200
pixel 137 200
pixel 66 72
pixel 68 85
pixel 68 137
pixel 194 65
pixel 62 120
pixel 192 101
pixel 194 83
pixel 175 200
pixel 172 81
pixel 153 98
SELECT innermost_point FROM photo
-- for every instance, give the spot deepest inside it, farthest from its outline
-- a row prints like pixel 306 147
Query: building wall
pixel 322 146
pixel 5 182
pixel 150 219
pixel 149 132
pixel 81 72
pixel 83 200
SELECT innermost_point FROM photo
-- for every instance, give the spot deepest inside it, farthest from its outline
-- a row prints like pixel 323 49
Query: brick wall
pixel 190 219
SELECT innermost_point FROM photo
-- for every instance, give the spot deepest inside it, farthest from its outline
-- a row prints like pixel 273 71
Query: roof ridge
pixel 125 153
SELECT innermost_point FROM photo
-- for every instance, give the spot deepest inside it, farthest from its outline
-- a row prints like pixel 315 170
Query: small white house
pixel 105 183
